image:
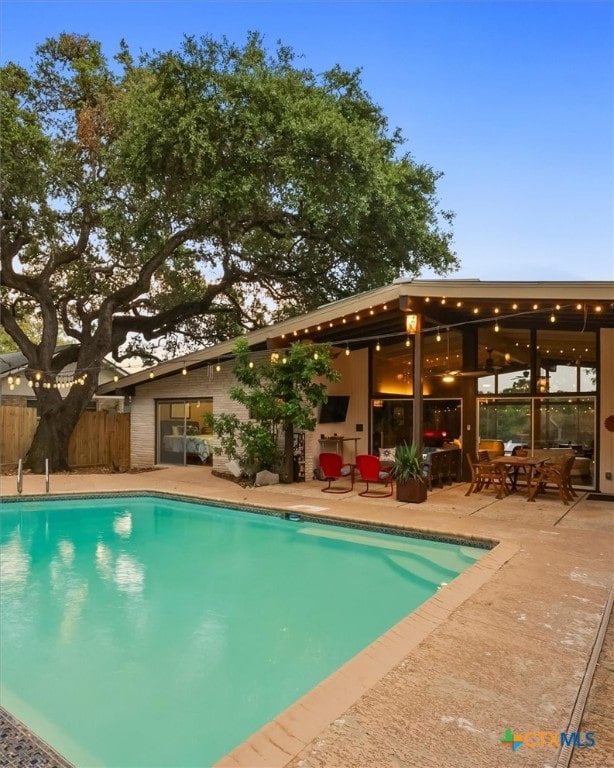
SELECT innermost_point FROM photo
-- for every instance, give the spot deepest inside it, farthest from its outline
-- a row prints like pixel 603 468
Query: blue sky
pixel 513 101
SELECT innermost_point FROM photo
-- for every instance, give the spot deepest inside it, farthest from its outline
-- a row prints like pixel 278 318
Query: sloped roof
pixel 319 322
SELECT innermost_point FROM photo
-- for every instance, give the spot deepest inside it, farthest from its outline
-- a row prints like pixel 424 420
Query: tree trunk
pixel 57 423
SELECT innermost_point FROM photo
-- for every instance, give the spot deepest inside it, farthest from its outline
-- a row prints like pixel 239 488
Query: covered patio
pixel 527 364
pixel 508 644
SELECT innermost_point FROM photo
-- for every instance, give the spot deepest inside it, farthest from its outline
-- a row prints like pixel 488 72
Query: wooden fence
pixel 101 438
pixel 17 426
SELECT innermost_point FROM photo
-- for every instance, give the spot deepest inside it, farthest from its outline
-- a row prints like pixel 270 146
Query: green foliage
pixel 279 394
pixel 408 463
pixel 252 444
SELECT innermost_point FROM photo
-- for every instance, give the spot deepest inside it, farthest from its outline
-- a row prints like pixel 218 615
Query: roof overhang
pixel 379 313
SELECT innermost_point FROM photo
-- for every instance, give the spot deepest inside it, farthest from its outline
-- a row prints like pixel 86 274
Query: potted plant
pixel 408 473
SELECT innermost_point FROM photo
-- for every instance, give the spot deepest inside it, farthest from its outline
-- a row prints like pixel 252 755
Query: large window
pixel 561 421
pixel 542 422
pixel 507 420
pixel 393 422
pixel 566 361
pixel 504 361
pixel 183 434
pixel 393 368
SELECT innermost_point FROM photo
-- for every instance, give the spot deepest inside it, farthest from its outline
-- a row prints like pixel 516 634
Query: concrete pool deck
pixel 508 644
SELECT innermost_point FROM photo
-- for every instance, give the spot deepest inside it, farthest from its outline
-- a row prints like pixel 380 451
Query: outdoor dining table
pixel 515 462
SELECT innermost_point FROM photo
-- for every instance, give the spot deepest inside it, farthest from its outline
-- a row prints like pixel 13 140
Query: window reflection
pixel 393 422
pixel 543 422
pixel 504 361
pixel 562 422
pixel 393 370
pixel 566 361
pixel 507 420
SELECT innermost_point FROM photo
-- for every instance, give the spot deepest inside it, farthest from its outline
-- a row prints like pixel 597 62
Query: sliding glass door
pixel 182 433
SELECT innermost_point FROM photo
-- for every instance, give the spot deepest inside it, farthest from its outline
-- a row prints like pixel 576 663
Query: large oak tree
pixel 191 195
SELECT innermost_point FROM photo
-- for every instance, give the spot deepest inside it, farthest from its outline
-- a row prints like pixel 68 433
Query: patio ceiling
pixel 456 304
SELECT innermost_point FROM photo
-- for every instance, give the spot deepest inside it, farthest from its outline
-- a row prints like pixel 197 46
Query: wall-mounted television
pixel 334 409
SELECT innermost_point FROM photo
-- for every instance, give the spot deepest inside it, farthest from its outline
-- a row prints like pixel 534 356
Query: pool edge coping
pixel 286 735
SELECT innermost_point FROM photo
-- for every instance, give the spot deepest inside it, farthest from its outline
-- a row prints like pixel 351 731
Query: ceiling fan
pixel 490 367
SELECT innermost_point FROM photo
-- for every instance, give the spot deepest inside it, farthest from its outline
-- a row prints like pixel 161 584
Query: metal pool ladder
pixel 20 476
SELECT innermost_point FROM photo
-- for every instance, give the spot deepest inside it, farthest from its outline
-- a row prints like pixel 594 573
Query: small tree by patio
pixel 280 396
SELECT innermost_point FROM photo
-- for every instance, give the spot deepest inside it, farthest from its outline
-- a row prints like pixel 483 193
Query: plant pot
pixel 411 491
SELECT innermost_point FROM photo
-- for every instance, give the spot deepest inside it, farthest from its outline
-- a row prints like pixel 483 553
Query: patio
pixel 506 645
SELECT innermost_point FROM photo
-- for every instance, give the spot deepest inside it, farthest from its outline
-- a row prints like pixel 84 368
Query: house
pixel 15 389
pixel 524 363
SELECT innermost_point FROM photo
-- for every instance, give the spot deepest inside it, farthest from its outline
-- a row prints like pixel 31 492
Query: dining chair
pixel 485 473
pixel 518 469
pixel 557 474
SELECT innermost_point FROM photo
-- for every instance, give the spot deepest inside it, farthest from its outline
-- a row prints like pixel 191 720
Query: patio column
pixel 418 415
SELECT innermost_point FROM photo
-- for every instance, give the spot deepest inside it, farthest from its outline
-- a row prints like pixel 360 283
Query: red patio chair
pixel 333 468
pixel 370 468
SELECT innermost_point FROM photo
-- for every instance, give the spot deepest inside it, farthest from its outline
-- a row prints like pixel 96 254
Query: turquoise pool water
pixel 140 631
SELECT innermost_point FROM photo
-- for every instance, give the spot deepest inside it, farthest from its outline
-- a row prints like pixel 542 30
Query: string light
pixel 36 378
pixel 184 371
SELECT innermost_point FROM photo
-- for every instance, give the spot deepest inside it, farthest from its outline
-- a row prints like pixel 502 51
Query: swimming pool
pixel 140 631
